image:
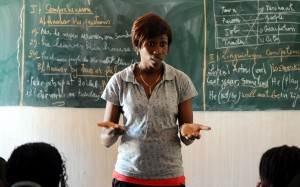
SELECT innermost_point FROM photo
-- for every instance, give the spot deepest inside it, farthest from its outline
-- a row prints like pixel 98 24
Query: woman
pixel 151 96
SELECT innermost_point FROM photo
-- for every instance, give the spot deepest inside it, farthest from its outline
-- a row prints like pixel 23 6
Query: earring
pixel 137 51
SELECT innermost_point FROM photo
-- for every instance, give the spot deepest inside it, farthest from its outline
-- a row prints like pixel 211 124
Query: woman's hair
pixel 279 165
pixel 37 162
pixel 149 26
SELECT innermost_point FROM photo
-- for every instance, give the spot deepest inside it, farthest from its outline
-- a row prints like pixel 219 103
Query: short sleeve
pixel 187 88
pixel 112 90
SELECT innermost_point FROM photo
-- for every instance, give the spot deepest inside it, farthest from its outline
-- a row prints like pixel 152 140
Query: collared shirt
pixel 150 148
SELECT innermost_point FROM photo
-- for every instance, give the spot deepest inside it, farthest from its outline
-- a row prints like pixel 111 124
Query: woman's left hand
pixel 191 131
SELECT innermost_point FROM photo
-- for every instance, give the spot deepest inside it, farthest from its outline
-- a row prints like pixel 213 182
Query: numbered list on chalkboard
pixel 70 52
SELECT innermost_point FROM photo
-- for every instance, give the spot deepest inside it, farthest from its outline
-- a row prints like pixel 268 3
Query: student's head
pixel 149 26
pixel 295 181
pixel 2 172
pixel 37 162
pixel 279 165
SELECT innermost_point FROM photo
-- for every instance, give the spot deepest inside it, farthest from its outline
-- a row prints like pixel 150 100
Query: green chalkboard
pixel 65 51
pixel 252 55
pixel 241 55
pixel 10 52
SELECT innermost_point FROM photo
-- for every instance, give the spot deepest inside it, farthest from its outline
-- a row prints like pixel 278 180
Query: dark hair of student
pixel 295 181
pixel 2 171
pixel 149 26
pixel 279 165
pixel 37 162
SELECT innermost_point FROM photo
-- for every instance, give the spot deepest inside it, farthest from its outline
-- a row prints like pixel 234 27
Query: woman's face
pixel 154 50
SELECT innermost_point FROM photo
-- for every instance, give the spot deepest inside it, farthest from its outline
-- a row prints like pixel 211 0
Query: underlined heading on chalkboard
pixel 71 51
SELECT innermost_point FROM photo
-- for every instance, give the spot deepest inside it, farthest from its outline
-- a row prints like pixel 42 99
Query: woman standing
pixel 151 95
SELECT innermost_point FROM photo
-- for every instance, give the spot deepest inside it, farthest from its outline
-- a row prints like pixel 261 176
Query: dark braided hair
pixel 37 162
pixel 279 165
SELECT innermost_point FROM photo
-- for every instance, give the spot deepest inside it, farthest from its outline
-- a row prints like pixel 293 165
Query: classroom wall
pixel 226 156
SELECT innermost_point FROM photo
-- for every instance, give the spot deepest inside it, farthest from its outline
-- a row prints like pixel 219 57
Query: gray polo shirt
pixel 150 148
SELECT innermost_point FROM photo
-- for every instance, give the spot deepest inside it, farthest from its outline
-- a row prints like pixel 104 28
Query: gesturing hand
pixel 115 128
pixel 191 131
